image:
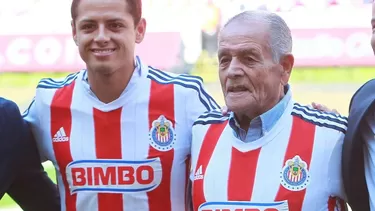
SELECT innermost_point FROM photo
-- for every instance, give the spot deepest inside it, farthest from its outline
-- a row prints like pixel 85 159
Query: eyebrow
pixel 252 51
pixel 92 21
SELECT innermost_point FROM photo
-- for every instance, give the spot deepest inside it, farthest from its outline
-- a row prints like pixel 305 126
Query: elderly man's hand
pixel 324 108
pixel 224 110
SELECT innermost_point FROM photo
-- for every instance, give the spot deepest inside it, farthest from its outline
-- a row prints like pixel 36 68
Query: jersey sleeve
pixel 335 176
pixel 198 102
pixel 31 116
pixel 368 134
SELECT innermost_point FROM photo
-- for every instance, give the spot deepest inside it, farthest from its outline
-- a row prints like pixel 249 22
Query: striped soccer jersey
pixel 296 166
pixel 131 154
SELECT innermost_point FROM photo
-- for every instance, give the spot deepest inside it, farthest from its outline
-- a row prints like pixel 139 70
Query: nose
pixel 102 36
pixel 235 68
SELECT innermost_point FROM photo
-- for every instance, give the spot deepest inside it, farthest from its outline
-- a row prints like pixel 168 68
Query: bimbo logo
pixel 113 176
pixel 244 206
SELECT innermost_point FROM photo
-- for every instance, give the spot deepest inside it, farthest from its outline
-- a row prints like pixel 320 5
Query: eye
pixel 116 25
pixel 87 26
pixel 224 60
pixel 249 58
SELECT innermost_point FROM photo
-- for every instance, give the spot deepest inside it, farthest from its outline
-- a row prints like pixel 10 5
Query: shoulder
pixel 369 85
pixel 364 91
pixel 51 83
pixel 8 107
pixel 190 86
pixel 10 116
pixel 327 120
pixel 211 117
pixel 163 77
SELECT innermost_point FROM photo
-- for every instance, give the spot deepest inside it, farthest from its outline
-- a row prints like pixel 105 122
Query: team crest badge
pixel 162 135
pixel 294 175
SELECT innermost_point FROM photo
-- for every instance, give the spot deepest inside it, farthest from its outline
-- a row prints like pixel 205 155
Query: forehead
pixel 239 35
pixel 101 9
pixel 373 9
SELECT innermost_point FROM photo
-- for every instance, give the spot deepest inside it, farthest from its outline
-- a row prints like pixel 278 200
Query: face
pixel 105 34
pixel 373 27
pixel 250 80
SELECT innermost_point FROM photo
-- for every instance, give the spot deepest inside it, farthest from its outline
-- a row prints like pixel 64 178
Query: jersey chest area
pixel 290 172
pixel 116 151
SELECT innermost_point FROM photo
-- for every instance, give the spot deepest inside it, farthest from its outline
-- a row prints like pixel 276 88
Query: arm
pixel 368 135
pixel 31 188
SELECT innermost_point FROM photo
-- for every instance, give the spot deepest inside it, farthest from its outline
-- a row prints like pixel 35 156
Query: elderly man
pixel 269 152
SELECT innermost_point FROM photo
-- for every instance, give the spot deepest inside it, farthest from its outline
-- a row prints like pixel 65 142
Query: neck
pixel 109 87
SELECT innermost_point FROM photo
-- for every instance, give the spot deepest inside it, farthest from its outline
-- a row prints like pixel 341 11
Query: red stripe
pixel 208 146
pixel 187 173
pixel 61 117
pixel 108 146
pixel 335 203
pixel 240 184
pixel 161 103
pixel 331 203
pixel 300 143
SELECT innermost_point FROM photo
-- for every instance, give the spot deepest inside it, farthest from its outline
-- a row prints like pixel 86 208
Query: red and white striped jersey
pixel 296 166
pixel 130 154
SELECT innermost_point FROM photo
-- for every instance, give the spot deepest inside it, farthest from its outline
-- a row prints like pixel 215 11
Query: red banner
pixel 59 53
pixel 332 47
pixel 311 48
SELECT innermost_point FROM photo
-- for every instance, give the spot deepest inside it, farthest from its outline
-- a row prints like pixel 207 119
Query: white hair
pixel 280 37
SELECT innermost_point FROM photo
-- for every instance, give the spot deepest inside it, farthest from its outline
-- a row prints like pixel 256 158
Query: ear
pixel 74 32
pixel 287 62
pixel 140 31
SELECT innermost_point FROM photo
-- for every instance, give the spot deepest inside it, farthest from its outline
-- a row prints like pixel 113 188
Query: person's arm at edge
pixel 32 189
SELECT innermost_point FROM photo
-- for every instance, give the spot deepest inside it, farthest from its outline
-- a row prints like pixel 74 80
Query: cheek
pixel 223 79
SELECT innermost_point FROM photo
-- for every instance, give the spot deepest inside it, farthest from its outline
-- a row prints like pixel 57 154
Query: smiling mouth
pixel 103 51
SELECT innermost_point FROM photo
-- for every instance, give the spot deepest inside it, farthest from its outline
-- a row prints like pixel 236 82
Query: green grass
pixel 7 201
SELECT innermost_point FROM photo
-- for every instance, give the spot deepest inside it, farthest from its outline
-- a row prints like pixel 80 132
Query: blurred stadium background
pixel 331 45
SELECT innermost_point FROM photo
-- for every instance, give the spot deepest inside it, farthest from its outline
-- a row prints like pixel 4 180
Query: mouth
pixel 103 52
pixel 237 89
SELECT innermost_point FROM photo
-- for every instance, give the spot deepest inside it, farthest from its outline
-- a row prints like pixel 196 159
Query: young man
pixel 119 132
pixel 21 174
pixel 269 153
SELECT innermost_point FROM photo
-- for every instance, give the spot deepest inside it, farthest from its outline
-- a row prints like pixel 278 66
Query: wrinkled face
pixel 105 34
pixel 373 27
pixel 249 78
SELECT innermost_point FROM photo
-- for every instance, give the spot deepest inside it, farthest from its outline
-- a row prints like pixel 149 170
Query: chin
pixel 103 69
pixel 239 105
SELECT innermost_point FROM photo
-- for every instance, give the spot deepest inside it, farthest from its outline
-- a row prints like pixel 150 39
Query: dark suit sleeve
pixel 27 183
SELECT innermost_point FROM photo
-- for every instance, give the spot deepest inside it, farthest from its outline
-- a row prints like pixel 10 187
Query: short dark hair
pixel 135 9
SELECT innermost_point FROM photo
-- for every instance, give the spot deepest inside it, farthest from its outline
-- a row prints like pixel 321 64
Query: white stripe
pixel 139 146
pixel 318 120
pixel 134 144
pixel 206 119
pixel 181 151
pixel 270 164
pixel 62 132
pixel 82 144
